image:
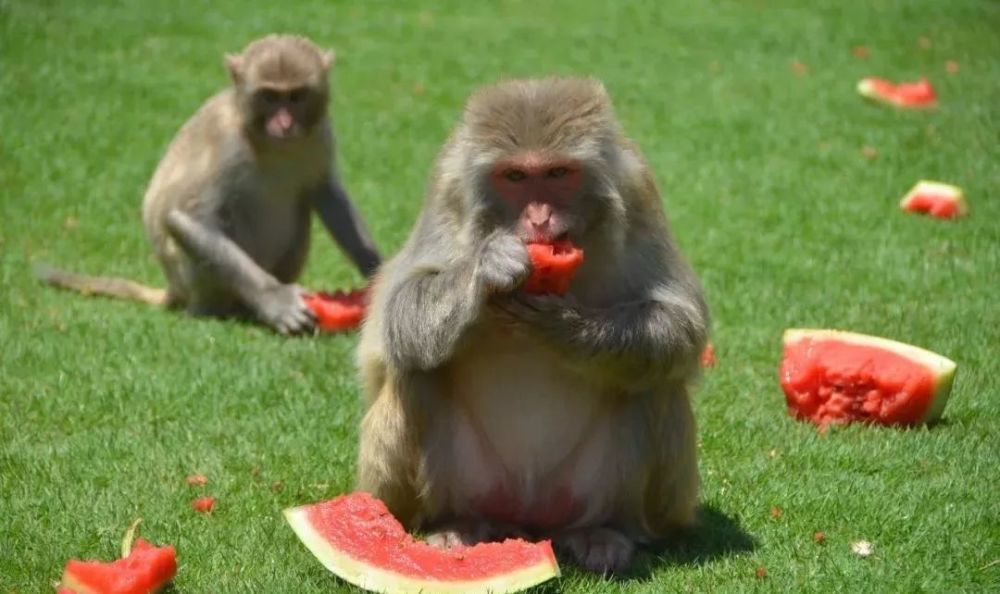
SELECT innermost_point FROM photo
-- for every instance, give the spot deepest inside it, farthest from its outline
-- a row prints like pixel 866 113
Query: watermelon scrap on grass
pixel 913 95
pixel 553 266
pixel 144 570
pixel 338 311
pixel 936 199
pixel 831 376
pixel 356 538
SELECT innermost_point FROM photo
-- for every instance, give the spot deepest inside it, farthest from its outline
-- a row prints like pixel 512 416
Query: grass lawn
pixel 747 112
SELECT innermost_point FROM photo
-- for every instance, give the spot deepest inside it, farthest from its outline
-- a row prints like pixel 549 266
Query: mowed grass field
pixel 747 112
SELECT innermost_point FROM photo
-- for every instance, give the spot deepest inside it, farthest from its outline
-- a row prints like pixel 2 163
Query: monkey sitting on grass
pixel 228 209
pixel 493 412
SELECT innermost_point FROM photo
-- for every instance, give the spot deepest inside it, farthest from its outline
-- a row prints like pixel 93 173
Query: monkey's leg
pixel 387 455
pixel 343 221
pixel 670 496
pixel 599 549
pixel 471 532
pixel 278 305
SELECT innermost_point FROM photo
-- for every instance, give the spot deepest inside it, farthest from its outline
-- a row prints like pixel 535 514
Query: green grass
pixel 105 406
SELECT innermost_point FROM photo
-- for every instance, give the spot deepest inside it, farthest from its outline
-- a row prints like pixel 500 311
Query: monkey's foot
pixel 601 550
pixel 471 532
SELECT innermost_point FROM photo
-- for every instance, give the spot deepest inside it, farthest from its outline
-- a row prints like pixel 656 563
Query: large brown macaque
pixel 228 209
pixel 493 412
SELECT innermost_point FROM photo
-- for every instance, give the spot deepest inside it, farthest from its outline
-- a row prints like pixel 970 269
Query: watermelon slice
pixel 939 200
pixel 338 311
pixel 830 376
pixel 357 538
pixel 912 95
pixel 553 266
pixel 146 569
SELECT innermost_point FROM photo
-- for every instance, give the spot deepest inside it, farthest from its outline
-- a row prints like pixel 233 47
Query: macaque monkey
pixel 492 412
pixel 228 209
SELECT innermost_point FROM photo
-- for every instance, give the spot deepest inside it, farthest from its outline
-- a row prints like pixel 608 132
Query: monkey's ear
pixel 327 58
pixel 234 64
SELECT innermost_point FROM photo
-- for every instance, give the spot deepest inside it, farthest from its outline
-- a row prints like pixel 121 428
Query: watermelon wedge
pixel 913 95
pixel 356 538
pixel 830 376
pixel 338 311
pixel 936 199
pixel 146 569
pixel 553 267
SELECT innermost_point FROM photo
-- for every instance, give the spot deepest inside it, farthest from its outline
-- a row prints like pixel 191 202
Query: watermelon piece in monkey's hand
pixel 553 267
pixel 338 311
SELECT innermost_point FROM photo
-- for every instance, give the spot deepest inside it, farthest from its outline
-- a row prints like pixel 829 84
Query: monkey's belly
pixel 531 443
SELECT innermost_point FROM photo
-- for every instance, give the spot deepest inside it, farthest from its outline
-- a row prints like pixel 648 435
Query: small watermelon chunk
pixel 831 376
pixel 145 570
pixel 338 311
pixel 553 266
pixel 357 538
pixel 914 95
pixel 936 199
pixel 203 505
pixel 707 358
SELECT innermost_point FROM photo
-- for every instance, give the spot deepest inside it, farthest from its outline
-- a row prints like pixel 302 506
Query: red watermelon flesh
pixel 831 376
pixel 356 537
pixel 943 201
pixel 146 569
pixel 553 266
pixel 338 311
pixel 912 95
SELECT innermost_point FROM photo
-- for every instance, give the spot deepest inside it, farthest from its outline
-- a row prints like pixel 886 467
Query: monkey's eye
pixel 297 95
pixel 558 171
pixel 269 96
pixel 514 175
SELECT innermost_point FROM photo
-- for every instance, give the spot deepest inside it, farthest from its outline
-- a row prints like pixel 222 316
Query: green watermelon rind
pixel 940 367
pixel 376 579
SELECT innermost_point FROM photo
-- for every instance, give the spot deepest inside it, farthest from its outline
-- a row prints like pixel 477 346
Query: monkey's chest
pixel 529 440
pixel 269 228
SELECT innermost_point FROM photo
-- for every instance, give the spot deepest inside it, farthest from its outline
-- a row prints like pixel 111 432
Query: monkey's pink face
pixel 541 190
pixel 285 114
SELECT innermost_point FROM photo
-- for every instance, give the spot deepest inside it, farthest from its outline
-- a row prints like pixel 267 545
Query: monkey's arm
pixel 281 306
pixel 657 335
pixel 438 292
pixel 343 221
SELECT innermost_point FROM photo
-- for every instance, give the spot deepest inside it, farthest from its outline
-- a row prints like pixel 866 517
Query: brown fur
pixel 474 388
pixel 228 209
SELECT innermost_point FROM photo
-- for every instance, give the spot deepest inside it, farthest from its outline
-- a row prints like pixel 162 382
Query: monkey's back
pixel 189 165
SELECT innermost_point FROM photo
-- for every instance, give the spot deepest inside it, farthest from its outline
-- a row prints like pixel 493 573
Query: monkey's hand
pixel 428 312
pixel 283 308
pixel 503 263
pixel 637 341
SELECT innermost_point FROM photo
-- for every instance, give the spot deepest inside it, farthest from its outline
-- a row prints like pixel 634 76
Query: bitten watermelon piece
pixel 553 266
pixel 338 311
pixel 356 538
pixel 145 570
pixel 831 376
pixel 919 94
pixel 936 199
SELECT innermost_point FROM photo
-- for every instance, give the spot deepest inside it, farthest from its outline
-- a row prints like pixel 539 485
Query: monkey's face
pixel 281 83
pixel 283 113
pixel 544 196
